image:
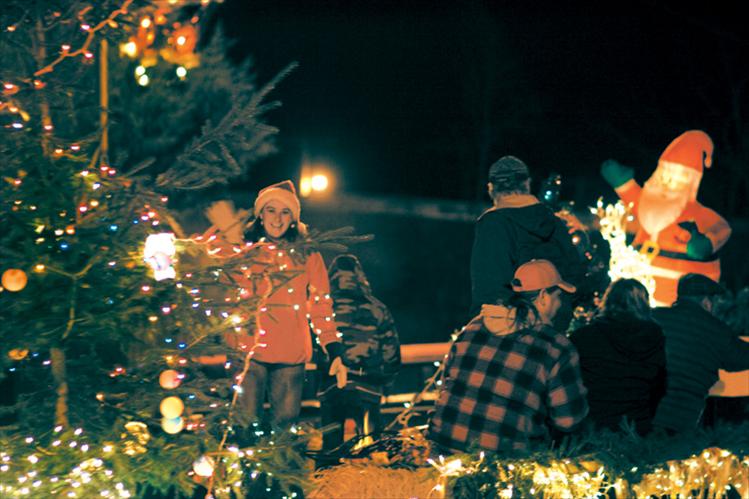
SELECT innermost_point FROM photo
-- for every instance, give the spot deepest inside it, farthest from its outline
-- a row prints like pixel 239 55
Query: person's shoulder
pixel 313 258
pixel 585 332
pixel 659 313
pixel 686 312
pixel 474 329
pixel 549 336
pixel 649 325
pixel 492 215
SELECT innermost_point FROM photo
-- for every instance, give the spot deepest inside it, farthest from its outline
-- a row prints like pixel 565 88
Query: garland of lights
pixel 714 470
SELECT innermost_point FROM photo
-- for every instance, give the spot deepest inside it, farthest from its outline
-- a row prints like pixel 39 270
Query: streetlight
pixel 319 182
pixel 313 180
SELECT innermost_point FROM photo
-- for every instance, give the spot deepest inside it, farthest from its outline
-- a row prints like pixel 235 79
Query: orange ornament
pixel 169 379
pixel 14 279
pixel 184 39
pixel 18 353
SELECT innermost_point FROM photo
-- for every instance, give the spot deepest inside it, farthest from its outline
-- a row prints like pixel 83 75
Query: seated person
pixel 622 358
pixel 698 344
pixel 510 378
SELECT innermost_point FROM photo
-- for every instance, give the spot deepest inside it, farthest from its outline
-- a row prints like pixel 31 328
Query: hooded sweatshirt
pixel 371 348
pixel 504 387
pixel 623 363
pixel 518 229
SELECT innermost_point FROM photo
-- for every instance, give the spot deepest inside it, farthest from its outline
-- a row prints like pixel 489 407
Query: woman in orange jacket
pixel 294 296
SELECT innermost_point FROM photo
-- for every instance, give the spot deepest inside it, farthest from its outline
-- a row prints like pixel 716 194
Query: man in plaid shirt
pixel 511 378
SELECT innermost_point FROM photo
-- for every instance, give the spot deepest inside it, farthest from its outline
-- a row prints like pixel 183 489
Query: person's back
pixel 510 235
pixel 517 229
pixel 697 345
pixel 371 352
pixel 368 333
pixel 510 378
pixel 623 364
pixel 500 389
pixel 622 358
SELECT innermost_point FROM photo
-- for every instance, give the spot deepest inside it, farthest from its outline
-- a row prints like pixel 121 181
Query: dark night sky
pixel 418 98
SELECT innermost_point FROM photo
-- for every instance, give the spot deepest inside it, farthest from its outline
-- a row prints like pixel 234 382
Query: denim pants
pixel 283 384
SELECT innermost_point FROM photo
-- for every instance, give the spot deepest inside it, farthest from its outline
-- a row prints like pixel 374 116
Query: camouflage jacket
pixel 371 348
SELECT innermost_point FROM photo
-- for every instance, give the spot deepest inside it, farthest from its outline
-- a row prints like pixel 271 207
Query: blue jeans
pixel 282 382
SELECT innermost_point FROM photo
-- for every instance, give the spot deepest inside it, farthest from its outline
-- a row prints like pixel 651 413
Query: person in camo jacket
pixel 371 353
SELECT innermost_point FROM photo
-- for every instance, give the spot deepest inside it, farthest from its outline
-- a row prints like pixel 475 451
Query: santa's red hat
pixel 692 149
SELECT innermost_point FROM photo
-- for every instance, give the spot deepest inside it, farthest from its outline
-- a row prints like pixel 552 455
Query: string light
pixel 625 262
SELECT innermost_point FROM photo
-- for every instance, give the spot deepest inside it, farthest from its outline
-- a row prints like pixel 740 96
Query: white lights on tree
pixel 172 425
pixel 159 255
pixel 626 262
pixel 171 407
pixel 204 466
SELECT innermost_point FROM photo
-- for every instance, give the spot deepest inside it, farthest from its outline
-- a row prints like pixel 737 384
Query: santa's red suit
pixel 681 234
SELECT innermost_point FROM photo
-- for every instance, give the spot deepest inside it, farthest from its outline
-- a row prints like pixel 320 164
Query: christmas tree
pixel 110 313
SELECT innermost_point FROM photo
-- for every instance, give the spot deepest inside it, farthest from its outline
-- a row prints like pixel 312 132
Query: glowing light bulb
pixel 130 49
pixel 319 182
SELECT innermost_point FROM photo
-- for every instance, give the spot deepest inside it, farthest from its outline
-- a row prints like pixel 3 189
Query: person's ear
pixel 490 188
pixel 543 295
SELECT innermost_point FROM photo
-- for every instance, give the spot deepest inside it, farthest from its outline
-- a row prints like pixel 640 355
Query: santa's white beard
pixel 658 208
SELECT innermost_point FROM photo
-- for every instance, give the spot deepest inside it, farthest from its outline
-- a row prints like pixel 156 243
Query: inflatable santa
pixel 671 226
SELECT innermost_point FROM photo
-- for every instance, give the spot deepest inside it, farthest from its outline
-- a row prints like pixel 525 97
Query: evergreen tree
pixel 105 385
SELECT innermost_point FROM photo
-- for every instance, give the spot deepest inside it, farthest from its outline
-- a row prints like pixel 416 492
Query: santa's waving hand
pixel 682 234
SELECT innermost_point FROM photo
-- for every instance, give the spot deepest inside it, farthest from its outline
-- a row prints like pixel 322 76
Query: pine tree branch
pixel 208 159
pixel 90 38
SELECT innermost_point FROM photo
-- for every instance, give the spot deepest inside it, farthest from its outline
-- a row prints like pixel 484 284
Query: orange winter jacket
pixel 287 314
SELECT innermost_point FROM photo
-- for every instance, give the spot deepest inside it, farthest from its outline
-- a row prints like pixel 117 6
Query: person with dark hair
pixel 280 338
pixel 516 229
pixel 371 353
pixel 510 378
pixel 623 358
pixel 698 344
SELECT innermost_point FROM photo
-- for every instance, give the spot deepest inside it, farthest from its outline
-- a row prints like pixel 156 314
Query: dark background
pixel 415 99
pixel 418 98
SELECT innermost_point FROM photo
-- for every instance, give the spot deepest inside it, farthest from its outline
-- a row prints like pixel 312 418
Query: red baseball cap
pixel 539 274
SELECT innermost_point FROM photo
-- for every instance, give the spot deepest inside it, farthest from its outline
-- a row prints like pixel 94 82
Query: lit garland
pixel 626 262
pixel 89 473
pixel 33 469
pixel 713 470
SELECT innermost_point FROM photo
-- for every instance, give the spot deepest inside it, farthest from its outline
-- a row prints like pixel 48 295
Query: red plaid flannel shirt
pixel 501 391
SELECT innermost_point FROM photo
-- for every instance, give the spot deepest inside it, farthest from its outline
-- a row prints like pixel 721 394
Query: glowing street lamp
pixel 313 182
pixel 319 182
